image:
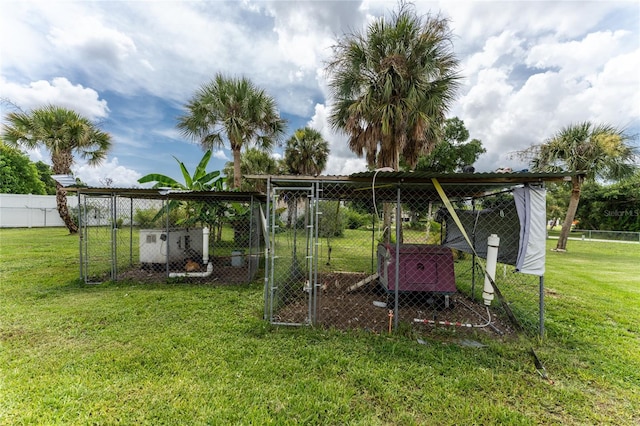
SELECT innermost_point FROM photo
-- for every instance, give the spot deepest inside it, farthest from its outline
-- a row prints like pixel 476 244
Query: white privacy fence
pixel 28 211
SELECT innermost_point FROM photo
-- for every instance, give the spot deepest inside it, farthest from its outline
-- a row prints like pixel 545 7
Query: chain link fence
pixel 146 236
pixel 384 256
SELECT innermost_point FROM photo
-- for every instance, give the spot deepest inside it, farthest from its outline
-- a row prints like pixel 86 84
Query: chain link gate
pixel 290 295
pixel 95 216
pixel 106 236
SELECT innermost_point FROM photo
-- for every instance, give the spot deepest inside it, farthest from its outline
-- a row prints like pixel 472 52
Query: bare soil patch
pixel 342 308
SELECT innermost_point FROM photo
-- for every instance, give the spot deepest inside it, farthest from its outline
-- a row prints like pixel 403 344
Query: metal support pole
pixel 166 263
pixel 80 238
pixel 267 251
pixel 398 225
pixel 131 231
pixel 473 258
pixel 249 258
pixel 541 297
pixel 114 239
pixel 315 250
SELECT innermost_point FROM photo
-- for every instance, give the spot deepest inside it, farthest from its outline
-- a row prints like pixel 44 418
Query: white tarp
pixel 532 211
pixel 521 227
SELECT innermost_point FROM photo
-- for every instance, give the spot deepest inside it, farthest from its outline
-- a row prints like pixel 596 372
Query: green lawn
pixel 198 354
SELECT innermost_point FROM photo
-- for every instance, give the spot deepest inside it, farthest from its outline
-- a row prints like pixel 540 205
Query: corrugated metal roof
pixel 169 193
pixel 416 184
pixel 419 177
pixel 495 177
pixel 412 184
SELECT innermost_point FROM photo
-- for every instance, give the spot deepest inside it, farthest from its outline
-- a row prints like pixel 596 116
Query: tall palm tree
pixel 235 109
pixel 64 133
pixel 306 152
pixel 594 150
pixel 393 85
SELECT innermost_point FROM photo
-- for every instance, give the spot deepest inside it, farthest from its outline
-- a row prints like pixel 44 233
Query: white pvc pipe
pixel 493 242
pixel 205 259
pixel 205 245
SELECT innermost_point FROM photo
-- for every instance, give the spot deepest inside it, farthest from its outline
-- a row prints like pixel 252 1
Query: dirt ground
pixel 342 306
pixel 223 273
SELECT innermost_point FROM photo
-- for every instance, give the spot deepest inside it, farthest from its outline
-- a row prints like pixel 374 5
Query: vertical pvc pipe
pixel 205 245
pixel 493 242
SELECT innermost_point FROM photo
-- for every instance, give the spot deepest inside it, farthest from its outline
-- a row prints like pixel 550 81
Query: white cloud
pixel 276 156
pixel 221 155
pixel 579 58
pixel 341 159
pixel 495 48
pixel 59 91
pixel 110 171
pixel 94 43
pixel 169 132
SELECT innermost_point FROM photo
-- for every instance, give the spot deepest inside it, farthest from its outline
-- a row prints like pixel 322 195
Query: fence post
pixel 541 316
pixel 397 271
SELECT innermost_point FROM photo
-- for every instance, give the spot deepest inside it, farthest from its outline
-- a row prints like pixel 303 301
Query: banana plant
pixel 203 212
pixel 200 181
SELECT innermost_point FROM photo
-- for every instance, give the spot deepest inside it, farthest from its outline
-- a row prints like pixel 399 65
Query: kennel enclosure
pixel 153 235
pixel 338 245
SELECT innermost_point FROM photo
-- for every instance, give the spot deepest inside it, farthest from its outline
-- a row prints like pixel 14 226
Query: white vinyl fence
pixel 31 211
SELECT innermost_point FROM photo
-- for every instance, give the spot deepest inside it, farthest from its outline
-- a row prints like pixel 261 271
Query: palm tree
pixel 64 133
pixel 236 109
pixel 589 151
pixel 253 162
pixel 393 85
pixel 306 152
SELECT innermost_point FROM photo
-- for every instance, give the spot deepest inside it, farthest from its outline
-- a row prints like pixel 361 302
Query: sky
pixel 529 69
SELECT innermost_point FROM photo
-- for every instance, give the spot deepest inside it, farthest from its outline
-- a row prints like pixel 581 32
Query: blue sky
pixel 530 68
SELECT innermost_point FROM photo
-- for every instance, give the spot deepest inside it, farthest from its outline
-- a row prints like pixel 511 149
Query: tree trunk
pixel 63 210
pixel 237 174
pixel 386 231
pixel 291 205
pixel 576 183
pixel 61 165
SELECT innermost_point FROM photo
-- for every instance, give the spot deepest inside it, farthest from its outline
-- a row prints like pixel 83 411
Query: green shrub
pixel 331 219
pixel 416 226
pixel 146 218
pixel 155 218
pixel 356 220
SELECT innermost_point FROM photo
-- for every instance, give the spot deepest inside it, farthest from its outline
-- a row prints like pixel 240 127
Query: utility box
pixel 237 258
pixel 160 246
pixel 423 268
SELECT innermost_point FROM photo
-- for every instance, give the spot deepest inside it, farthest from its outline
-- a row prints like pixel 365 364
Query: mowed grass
pixel 198 354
